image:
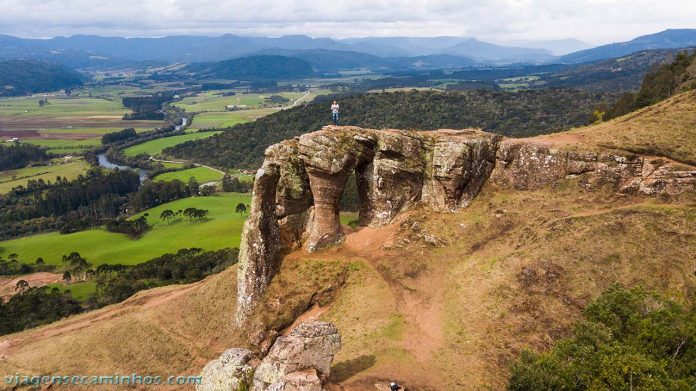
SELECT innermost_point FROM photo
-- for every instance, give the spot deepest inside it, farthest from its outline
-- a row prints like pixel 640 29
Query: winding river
pixel 104 162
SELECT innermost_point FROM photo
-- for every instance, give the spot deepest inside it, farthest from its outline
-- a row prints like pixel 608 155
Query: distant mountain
pixel 484 51
pixel 668 39
pixel 255 68
pixel 454 46
pixel 334 60
pixel 614 75
pixel 21 77
pixel 558 47
pixel 95 51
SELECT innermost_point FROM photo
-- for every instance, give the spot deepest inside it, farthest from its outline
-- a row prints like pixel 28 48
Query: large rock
pixel 298 188
pixel 232 371
pixel 309 347
pixel 300 361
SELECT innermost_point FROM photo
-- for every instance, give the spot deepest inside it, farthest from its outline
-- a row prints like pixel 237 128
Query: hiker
pixel 334 112
pixel 394 387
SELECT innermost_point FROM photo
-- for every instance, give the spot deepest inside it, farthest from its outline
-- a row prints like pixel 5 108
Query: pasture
pixel 155 147
pixel 221 229
pixel 14 178
pixel 65 124
pixel 202 175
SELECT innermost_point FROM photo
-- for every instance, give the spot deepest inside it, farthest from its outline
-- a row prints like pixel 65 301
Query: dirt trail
pixel 7 285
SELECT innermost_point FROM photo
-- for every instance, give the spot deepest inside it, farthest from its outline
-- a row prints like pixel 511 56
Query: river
pixel 104 162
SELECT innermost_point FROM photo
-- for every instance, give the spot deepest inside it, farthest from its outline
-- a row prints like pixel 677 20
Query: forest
pixel 21 77
pixel 18 155
pixel 519 114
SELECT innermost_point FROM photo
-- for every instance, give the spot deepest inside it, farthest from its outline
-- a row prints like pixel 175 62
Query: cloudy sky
pixel 594 21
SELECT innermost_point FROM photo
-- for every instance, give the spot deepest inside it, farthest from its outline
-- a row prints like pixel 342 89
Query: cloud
pixel 596 21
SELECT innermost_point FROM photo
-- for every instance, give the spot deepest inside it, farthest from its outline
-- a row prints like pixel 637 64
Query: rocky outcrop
pixel 303 356
pixel 300 361
pixel 233 370
pixel 298 188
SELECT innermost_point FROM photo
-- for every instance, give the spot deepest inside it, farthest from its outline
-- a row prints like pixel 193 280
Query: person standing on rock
pixel 334 112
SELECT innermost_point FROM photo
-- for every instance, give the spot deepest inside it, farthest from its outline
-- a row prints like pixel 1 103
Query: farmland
pixel 70 170
pixel 155 147
pixel 221 229
pixel 65 124
pixel 202 175
pixel 210 107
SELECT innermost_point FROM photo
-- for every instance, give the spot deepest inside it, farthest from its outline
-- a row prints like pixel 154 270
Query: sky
pixel 593 21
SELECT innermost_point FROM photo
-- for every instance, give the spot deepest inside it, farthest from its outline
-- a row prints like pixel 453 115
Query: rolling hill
pixel 668 39
pixel 21 77
pixel 255 68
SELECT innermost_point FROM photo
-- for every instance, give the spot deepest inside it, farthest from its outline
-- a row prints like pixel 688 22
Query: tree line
pixel 18 155
pixel 34 306
pixel 517 114
pixel 628 339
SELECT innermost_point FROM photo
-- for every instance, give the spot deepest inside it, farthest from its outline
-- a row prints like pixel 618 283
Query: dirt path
pixel 7 285
pixel 140 301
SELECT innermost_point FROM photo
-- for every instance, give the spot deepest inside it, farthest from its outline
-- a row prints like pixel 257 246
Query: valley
pixel 480 216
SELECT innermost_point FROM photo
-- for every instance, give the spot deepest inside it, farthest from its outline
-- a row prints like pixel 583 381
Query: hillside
pixel 521 114
pixel 668 39
pixel 667 129
pixel 418 297
pixel 265 67
pixel 20 77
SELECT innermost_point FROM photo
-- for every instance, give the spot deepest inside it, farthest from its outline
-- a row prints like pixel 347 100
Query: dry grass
pixel 666 129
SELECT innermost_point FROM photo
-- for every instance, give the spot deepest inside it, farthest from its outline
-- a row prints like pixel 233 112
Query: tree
pixel 67 277
pixel 167 215
pixel 241 208
pixel 40 263
pixel 21 286
pixel 227 183
pixel 12 261
pixel 207 190
pixel 193 186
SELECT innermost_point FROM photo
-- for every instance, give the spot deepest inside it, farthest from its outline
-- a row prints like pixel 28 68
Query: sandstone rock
pixel 230 372
pixel 298 188
pixel 306 380
pixel 310 346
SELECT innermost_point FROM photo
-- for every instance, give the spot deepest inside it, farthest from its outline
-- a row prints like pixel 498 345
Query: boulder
pixel 310 346
pixel 232 371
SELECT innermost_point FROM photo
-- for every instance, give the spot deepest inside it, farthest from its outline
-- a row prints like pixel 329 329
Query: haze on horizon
pixel 501 21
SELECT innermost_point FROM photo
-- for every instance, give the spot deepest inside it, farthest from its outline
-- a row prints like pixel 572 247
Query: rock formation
pixel 300 361
pixel 298 188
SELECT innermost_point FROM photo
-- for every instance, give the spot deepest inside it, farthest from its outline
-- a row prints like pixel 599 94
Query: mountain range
pixel 84 51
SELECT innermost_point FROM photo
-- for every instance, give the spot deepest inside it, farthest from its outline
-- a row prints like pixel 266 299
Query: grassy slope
pixel 222 229
pixel 666 129
pixel 416 313
pixel 154 147
pixel 202 175
pixel 22 176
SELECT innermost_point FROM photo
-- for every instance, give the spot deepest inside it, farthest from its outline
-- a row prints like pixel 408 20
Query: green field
pixel 213 101
pixel 222 229
pixel 210 107
pixel 66 124
pixel 13 178
pixel 79 290
pixel 155 147
pixel 202 175
pixel 61 106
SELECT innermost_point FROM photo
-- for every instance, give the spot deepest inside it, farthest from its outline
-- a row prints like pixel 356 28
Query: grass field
pixel 155 147
pixel 210 107
pixel 202 175
pixel 65 124
pixel 13 178
pixel 79 290
pixel 222 229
